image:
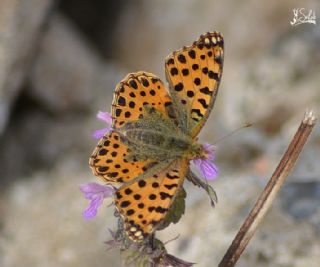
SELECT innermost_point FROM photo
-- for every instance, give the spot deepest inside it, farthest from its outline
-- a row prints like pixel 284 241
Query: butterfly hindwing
pixel 145 203
pixel 109 160
pixel 194 75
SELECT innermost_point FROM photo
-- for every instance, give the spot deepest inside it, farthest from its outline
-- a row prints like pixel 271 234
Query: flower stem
pixel 269 193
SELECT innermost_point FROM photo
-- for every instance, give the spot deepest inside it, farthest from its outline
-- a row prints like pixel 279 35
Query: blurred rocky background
pixel 59 64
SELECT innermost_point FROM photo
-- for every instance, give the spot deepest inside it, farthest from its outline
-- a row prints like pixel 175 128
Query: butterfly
pixel 154 132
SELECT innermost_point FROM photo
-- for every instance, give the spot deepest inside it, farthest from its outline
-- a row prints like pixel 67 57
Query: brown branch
pixel 271 190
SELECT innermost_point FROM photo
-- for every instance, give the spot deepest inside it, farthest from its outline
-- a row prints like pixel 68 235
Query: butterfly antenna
pixel 172 239
pixel 248 124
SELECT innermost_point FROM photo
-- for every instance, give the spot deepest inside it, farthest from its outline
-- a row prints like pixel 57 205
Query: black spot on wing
pixel 206 91
pixel 192 54
pixel 174 71
pixel 213 75
pixel 197 111
pixel 125 204
pixel 121 101
pixel 164 195
pixel 203 103
pixel 132 83
pixel 182 58
pixel 178 87
pixel 170 186
pixel 185 72
pixel 170 61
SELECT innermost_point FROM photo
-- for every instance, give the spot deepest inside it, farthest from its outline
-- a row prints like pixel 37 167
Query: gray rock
pixel 36 140
pixel 301 200
pixel 68 74
pixel 69 83
pixel 42 223
pixel 20 28
pixel 280 85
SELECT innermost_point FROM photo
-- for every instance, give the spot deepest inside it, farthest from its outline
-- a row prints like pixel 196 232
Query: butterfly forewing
pixel 134 92
pixel 194 75
pixel 110 159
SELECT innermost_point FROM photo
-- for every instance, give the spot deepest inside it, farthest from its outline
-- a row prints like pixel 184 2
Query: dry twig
pixel 268 195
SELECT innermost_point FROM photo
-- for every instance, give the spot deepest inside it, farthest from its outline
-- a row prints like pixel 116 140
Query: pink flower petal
pixel 105 116
pixel 100 133
pixel 205 165
pixel 96 193
pixel 209 170
pixel 95 188
pixel 209 148
pixel 91 211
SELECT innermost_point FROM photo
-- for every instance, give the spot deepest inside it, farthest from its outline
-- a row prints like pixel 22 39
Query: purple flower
pixel 106 117
pixel 205 164
pixel 95 193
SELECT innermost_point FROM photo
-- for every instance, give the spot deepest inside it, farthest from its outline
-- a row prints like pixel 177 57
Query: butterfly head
pixel 204 162
pixel 201 151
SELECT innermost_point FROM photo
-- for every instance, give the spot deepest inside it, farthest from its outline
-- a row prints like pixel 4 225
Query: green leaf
pixel 208 188
pixel 176 210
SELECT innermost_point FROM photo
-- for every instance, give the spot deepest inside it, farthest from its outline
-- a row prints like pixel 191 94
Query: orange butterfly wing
pixel 194 75
pixel 135 91
pixel 108 160
pixel 145 203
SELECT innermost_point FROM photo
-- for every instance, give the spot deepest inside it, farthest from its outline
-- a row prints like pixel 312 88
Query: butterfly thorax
pixel 156 137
